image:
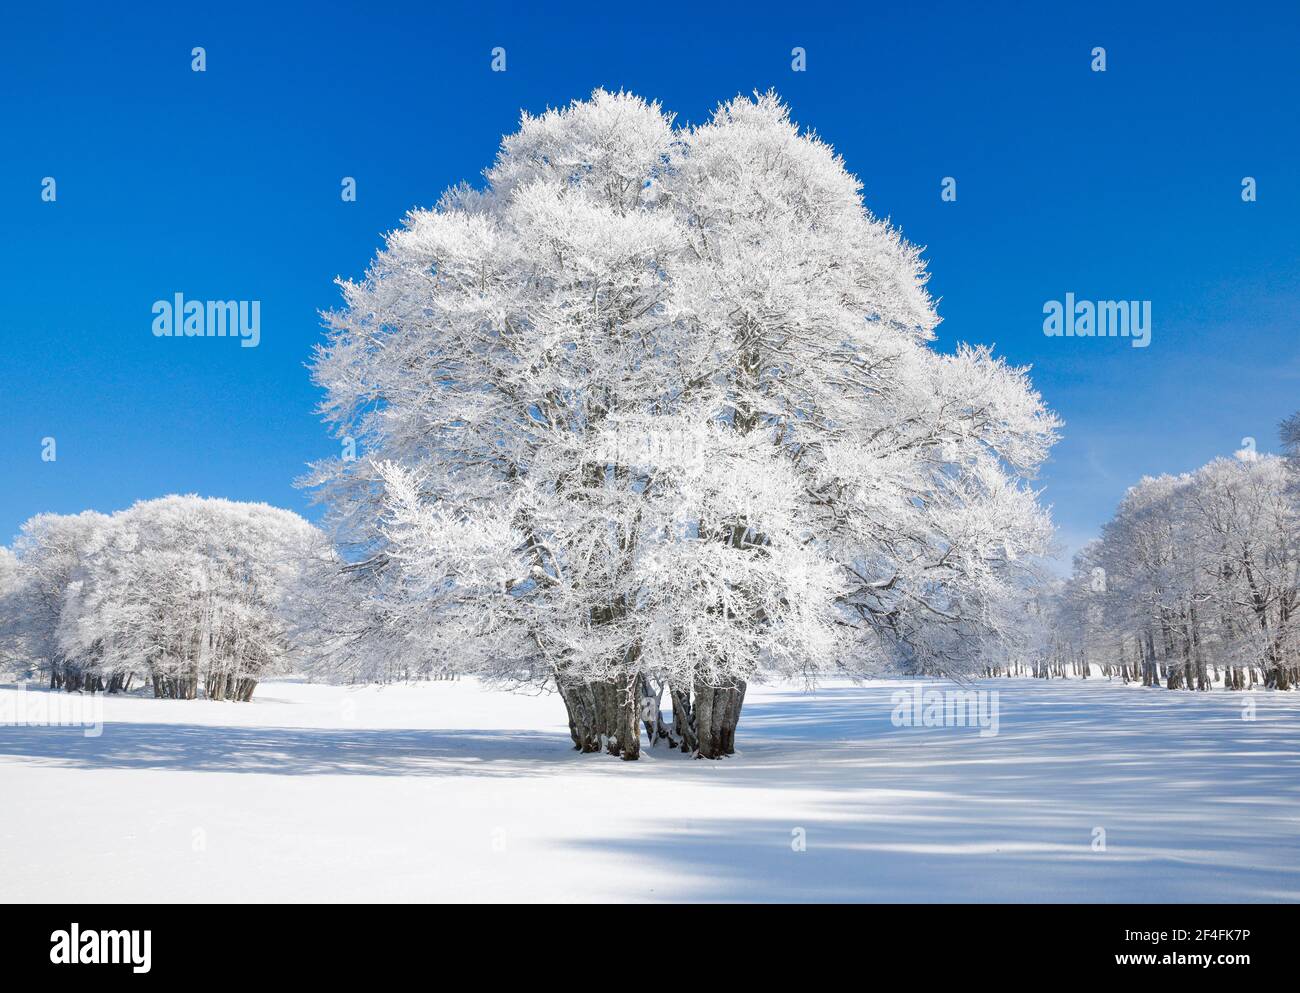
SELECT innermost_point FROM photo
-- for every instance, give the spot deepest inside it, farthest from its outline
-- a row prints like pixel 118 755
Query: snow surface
pixel 447 791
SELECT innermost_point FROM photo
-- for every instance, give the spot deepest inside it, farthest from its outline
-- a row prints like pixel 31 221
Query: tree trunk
pixel 652 716
pixel 683 720
pixel 607 716
pixel 717 712
pixel 604 715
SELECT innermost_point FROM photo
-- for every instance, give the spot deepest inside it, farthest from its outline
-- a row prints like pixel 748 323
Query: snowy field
pixel 446 791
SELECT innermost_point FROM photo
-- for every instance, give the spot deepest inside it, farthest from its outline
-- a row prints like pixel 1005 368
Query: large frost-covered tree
pixel 656 409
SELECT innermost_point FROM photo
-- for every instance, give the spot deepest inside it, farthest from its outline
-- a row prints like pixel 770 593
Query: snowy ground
pixel 446 791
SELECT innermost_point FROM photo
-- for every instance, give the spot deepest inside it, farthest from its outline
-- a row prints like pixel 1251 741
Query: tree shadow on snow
pixel 290 751
pixel 1195 802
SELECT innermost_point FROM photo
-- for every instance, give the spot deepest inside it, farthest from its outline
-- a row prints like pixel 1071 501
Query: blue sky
pixel 225 185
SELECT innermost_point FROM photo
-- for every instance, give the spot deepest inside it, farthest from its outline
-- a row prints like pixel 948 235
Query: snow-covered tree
pixel 1249 529
pixel 50 549
pixel 11 582
pixel 657 407
pixel 1196 578
pixel 190 591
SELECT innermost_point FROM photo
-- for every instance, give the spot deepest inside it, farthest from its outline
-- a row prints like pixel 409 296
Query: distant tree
pixel 1201 578
pixel 11 582
pixel 50 550
pixel 190 592
pixel 1289 433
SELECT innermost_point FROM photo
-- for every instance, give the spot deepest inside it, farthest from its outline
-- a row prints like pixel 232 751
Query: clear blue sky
pixel 225 185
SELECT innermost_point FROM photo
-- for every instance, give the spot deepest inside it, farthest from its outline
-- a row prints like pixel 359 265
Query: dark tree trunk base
pixel 716 712
pixel 606 716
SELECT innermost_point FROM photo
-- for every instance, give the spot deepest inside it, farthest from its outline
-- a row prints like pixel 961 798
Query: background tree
pixel 1200 578
pixel 50 549
pixel 11 581
pixel 190 591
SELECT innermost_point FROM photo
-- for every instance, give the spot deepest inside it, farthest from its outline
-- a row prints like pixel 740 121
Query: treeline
pixel 1194 582
pixel 184 594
